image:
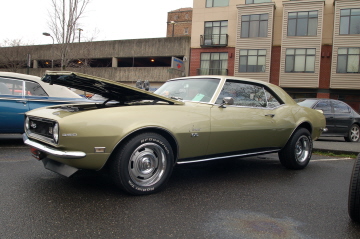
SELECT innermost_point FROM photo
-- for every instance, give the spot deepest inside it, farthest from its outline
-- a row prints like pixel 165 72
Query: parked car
pixel 341 119
pixel 141 137
pixel 20 93
pixel 354 192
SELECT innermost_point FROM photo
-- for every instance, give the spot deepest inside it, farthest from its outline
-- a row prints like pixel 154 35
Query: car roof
pixel 224 77
pixel 51 90
pixel 278 90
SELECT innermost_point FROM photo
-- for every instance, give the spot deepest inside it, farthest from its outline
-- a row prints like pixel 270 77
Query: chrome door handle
pixel 270 115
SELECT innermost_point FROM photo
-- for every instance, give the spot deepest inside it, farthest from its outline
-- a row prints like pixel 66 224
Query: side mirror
pixel 227 101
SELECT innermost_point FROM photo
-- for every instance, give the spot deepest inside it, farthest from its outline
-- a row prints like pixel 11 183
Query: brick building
pixel 310 48
pixel 179 22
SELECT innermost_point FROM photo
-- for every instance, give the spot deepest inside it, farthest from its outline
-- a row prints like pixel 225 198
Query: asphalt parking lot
pixel 243 198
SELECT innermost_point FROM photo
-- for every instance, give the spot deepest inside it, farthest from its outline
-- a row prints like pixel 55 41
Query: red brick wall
pixel 182 19
pixel 196 54
pixel 275 65
pixel 325 67
pixel 323 95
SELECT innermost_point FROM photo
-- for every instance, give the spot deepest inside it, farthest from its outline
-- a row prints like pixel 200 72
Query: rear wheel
pixel 298 150
pixel 143 165
pixel 354 192
pixel 354 134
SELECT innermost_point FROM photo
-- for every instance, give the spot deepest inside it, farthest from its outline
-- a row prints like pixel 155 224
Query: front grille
pixel 41 127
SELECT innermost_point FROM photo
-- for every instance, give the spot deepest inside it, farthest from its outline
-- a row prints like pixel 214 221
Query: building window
pixel 213 63
pixel 186 31
pixel 300 60
pixel 255 25
pixel 348 60
pixel 350 21
pixel 257 1
pixel 302 23
pixel 217 3
pixel 252 60
pixel 215 33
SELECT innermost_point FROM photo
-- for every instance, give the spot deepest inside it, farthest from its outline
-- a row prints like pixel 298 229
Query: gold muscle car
pixel 140 136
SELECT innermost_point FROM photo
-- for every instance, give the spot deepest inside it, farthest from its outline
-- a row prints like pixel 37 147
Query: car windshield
pixel 199 90
pixel 305 102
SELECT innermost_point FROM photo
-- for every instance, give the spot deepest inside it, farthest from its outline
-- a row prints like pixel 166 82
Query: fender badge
pixel 193 129
pixel 72 134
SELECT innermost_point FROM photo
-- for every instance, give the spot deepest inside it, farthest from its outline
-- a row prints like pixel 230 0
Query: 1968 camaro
pixel 139 136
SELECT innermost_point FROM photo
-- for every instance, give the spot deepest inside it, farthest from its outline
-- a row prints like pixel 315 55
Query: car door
pixel 13 105
pixel 342 117
pixel 325 106
pixel 255 121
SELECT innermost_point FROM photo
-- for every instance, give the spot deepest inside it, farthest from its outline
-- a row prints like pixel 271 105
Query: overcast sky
pixel 106 19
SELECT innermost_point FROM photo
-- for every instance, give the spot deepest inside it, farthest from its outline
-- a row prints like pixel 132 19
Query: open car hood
pixel 109 89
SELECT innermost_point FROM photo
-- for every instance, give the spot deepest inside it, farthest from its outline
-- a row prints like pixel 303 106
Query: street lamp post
pixel 173 26
pixel 80 30
pixel 52 51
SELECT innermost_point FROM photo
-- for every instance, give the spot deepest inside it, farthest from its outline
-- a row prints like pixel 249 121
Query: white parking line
pixel 336 159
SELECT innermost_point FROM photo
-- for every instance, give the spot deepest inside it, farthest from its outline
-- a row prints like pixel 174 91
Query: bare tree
pixel 64 22
pixel 10 54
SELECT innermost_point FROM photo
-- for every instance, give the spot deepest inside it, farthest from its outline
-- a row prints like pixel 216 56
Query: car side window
pixel 4 90
pixel 271 100
pixel 11 87
pixel 340 107
pixel 324 105
pixel 34 89
pixel 245 94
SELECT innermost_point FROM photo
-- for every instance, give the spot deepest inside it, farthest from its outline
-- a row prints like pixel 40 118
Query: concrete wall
pixel 155 47
pixel 125 74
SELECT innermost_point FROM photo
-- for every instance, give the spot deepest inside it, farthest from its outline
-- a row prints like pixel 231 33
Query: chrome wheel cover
pixel 147 164
pixel 302 149
pixel 354 134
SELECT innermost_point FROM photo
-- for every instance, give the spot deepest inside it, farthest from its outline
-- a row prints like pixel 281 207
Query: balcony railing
pixel 211 71
pixel 214 40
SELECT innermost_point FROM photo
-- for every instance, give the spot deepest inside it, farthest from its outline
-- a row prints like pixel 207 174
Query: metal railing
pixel 211 71
pixel 214 40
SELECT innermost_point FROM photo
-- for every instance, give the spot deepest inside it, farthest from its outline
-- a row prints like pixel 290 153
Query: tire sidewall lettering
pixel 141 189
pixel 161 142
pixel 156 141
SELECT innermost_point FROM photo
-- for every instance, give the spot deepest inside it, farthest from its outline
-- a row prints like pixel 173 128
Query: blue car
pixel 20 93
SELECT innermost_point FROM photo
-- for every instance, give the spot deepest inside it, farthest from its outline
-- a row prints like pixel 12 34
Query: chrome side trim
pixel 230 156
pixel 51 151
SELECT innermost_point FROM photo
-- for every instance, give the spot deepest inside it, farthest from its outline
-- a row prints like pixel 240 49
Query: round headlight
pixel 26 125
pixel 56 133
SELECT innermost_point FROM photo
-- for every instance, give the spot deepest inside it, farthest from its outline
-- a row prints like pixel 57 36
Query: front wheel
pixel 354 134
pixel 143 165
pixel 298 150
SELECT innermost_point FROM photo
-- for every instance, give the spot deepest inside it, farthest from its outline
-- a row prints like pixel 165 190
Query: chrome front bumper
pixel 47 150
